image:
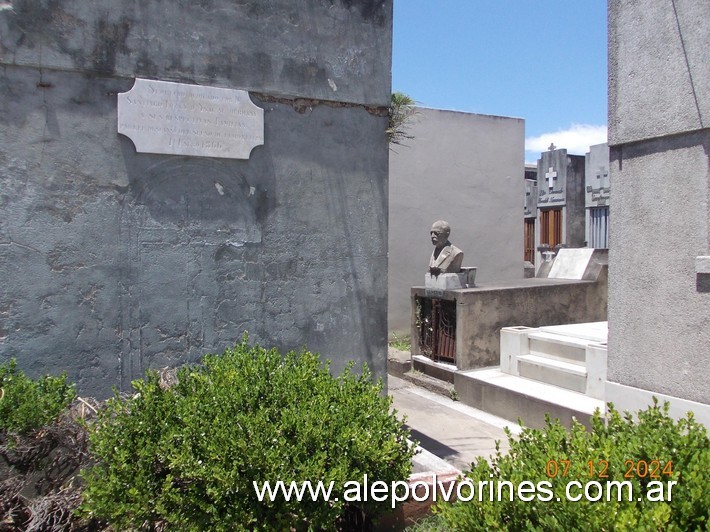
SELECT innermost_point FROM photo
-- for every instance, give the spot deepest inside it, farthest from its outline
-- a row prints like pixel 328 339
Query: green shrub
pixel 620 449
pixel 27 404
pixel 186 456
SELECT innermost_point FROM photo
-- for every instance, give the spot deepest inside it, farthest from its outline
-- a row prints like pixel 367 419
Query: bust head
pixel 440 231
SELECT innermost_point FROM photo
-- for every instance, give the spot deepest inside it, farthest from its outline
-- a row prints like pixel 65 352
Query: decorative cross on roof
pixel 552 147
pixel 551 177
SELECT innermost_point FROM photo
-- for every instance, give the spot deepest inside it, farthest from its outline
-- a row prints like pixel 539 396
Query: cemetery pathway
pixel 448 429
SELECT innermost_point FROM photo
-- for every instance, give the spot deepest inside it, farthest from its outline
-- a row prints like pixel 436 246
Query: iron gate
pixel 436 321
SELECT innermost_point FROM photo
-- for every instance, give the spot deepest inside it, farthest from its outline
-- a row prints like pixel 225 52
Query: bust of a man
pixel 446 258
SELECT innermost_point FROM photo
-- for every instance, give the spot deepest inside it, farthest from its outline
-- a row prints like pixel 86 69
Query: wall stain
pixel 302 105
pixel 110 40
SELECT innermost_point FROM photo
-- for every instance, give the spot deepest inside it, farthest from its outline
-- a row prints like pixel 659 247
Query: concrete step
pixel 558 346
pixel 438 370
pixel 398 362
pixel 566 375
pixel 512 397
pixel 432 384
pixel 596 331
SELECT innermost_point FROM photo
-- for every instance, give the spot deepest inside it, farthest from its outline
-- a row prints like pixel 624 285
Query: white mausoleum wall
pixel 468 170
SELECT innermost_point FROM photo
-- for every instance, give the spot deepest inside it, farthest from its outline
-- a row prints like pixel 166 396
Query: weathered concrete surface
pixel 466 169
pixel 334 50
pixel 114 261
pixel 483 311
pixel 659 75
pixel 659 88
pixel 659 324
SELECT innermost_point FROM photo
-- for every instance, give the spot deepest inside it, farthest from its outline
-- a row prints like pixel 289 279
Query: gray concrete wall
pixel 659 75
pixel 114 261
pixel 659 108
pixel 466 169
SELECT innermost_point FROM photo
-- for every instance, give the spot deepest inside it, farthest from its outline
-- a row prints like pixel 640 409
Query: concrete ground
pixel 448 429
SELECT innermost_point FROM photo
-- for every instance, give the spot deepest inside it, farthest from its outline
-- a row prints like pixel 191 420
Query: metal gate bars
pixel 436 321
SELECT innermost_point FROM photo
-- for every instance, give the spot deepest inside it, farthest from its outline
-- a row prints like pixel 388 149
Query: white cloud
pixel 576 139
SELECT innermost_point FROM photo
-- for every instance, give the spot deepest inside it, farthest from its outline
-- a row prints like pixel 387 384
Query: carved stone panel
pixel 180 119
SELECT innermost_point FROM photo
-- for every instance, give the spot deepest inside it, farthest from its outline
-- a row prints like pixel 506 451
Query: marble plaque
pixel 570 263
pixel 180 119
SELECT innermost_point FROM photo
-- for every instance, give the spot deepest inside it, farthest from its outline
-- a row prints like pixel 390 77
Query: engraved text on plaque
pixel 179 119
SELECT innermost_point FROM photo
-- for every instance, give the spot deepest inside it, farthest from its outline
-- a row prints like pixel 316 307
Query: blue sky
pixel 541 60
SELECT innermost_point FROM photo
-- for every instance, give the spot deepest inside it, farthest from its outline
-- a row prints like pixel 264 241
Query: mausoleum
pixel 175 174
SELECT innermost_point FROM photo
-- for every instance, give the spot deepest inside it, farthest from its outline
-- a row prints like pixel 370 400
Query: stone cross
pixel 551 177
pixel 552 147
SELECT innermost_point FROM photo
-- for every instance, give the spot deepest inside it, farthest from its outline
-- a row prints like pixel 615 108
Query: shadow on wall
pixel 202 195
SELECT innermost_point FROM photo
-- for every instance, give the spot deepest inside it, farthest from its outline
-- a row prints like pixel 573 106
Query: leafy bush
pixel 27 404
pixel 186 456
pixel 43 442
pixel 624 449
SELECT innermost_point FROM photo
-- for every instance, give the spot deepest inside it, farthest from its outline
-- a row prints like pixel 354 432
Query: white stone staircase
pixel 572 357
pixel 559 370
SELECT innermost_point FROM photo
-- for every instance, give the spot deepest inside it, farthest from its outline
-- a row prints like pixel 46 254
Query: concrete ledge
pixel 702 270
pixel 398 362
pixel 429 383
pixel 438 370
pixel 634 399
pixel 511 397
pixel 425 463
pixel 702 264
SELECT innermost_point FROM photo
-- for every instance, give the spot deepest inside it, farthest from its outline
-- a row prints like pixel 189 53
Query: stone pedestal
pixel 451 281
